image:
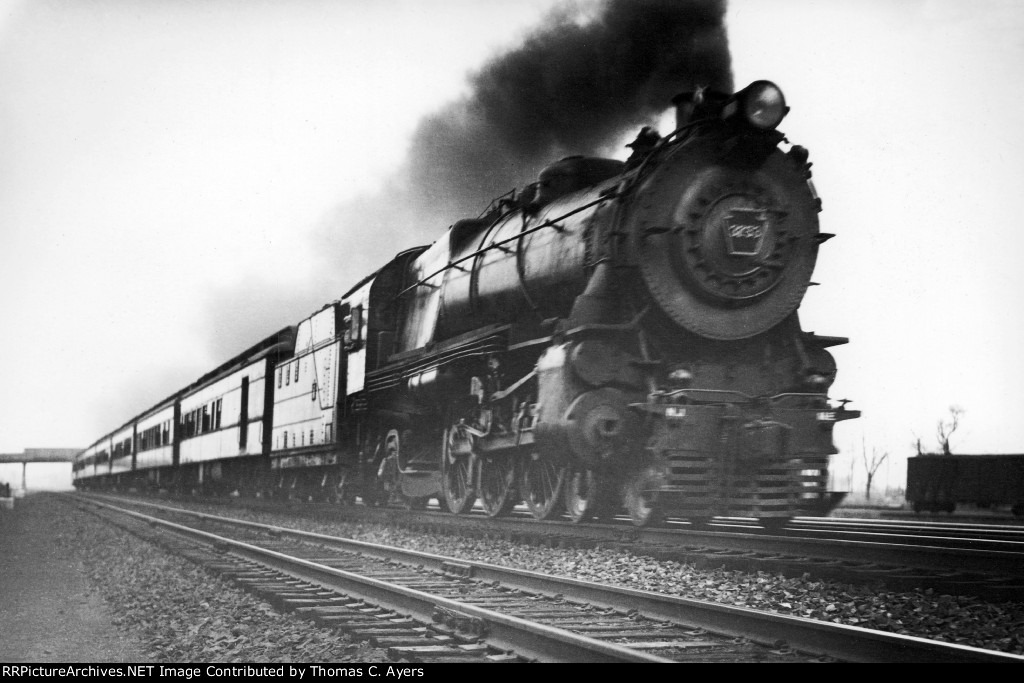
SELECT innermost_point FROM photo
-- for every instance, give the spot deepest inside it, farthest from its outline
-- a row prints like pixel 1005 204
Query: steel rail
pixel 879 549
pixel 885 550
pixel 943 530
pixel 851 643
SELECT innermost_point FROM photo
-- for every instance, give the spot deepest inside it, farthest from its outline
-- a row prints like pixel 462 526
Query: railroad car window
pixel 279 378
pixel 357 324
pixel 353 328
pixel 284 439
pixel 217 411
pixel 310 437
pixel 312 393
pixel 296 371
pixel 287 376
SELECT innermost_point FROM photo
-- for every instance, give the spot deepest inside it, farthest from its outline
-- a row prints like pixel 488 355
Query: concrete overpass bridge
pixel 38 455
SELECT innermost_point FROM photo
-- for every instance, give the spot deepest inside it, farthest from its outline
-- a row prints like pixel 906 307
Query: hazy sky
pixel 171 175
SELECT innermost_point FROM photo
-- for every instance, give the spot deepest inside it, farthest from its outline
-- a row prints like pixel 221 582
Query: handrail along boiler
pixel 617 334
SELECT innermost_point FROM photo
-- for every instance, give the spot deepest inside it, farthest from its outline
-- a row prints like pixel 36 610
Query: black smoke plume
pixel 576 85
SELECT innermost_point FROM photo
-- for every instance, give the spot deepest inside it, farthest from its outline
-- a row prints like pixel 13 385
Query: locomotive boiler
pixel 615 335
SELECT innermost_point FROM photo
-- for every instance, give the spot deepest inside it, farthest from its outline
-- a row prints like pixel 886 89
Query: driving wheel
pixel 542 482
pixel 456 472
pixel 497 485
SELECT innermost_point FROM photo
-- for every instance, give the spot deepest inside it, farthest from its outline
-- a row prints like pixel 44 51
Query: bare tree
pixel 917 445
pixel 944 429
pixel 871 466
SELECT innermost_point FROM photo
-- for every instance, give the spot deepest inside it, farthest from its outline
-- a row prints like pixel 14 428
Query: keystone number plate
pixel 744 231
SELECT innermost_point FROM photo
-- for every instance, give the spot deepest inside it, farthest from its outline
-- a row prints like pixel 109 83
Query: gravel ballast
pixel 957 619
pixel 170 609
pixel 178 611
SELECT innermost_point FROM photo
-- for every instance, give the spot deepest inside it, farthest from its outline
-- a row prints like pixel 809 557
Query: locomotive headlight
pixel 761 105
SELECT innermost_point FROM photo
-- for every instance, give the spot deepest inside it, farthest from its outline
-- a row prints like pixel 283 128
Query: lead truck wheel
pixel 587 495
pixel 640 498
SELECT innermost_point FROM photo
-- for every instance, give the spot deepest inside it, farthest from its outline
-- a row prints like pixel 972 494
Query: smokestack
pixel 698 104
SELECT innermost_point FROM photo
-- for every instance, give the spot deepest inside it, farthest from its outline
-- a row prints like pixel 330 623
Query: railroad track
pixel 835 549
pixel 991 535
pixel 841 550
pixel 427 608
pixel 970 516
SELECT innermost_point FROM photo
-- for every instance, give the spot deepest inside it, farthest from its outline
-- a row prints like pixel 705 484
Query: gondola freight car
pixel 941 482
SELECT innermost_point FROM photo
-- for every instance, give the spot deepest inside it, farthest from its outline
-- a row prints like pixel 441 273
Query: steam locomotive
pixel 617 335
